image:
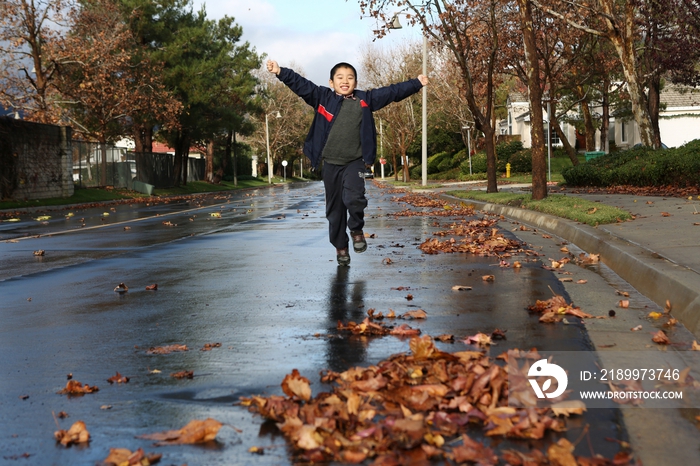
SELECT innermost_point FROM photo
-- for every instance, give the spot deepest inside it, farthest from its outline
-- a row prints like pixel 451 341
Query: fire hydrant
pixel 507 170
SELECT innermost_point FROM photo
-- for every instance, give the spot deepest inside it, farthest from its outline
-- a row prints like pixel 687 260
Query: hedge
pixel 640 167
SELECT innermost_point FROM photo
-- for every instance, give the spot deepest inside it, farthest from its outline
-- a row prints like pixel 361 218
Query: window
pixel 623 131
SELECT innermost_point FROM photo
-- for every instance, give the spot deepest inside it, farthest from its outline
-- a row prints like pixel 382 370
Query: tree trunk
pixel 103 153
pixel 539 161
pixel 396 167
pixel 209 162
pixel 605 118
pixel 626 52
pixel 587 120
pixel 490 146
pixel 654 102
pixel 235 160
pixel 570 150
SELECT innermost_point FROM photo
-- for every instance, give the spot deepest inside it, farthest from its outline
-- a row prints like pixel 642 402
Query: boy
pixel 344 136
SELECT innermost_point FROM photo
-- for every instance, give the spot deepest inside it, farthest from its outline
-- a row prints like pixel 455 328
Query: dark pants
pixel 345 200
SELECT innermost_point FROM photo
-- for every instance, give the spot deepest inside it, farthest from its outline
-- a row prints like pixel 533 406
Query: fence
pixel 95 166
pixel 34 160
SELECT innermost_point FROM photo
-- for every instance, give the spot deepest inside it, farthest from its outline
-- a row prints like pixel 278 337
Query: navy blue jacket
pixel 327 103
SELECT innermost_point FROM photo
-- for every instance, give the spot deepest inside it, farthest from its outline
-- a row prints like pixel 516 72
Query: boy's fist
pixel 423 79
pixel 273 67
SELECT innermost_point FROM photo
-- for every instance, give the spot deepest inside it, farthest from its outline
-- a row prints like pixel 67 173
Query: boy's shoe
pixel 359 243
pixel 343 256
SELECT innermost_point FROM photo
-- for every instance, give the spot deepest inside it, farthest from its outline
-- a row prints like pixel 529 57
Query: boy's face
pixel 343 81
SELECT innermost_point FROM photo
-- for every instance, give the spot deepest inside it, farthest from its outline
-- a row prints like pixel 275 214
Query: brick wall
pixel 35 160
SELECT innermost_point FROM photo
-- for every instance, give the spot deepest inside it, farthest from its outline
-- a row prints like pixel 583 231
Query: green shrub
pixel 435 160
pixel 521 161
pixel 478 164
pixel 640 167
pixel 504 151
pixel 459 157
pixel 445 165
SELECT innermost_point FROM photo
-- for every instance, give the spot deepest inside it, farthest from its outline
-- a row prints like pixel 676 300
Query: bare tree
pixel 382 67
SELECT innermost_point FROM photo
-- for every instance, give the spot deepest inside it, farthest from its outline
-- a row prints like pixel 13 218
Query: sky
pixel 312 35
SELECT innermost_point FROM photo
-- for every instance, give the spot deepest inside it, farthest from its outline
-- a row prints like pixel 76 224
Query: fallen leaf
pixel 387 261
pixel 695 346
pixel 210 346
pixel 581 282
pixel 665 214
pixel 124 457
pixel 118 379
pixel 77 433
pixel 153 287
pixel 561 453
pixel 215 214
pixel 624 303
pixel 409 297
pixel 637 328
pixel 445 338
pixel 183 375
pixel 75 388
pixel 295 385
pixel 43 218
pixel 668 307
pixel 461 288
pixel 480 339
pixel 592 210
pixel 195 431
pixel 655 315
pixel 40 252
pixel 106 407
pixel 622 293
pixel 167 349
pixel 568 407
pixel 660 338
pixel 121 288
pixel 517 265
pixel 488 278
pixel 417 314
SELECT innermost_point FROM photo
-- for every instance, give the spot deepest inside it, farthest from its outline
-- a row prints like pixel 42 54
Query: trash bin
pixel 594 154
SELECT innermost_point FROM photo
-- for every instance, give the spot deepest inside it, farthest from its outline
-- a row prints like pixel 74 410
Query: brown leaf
pixel 668 307
pixel 622 293
pixel 581 282
pixel 75 388
pixel 637 328
pixel 167 349
pixel 183 375
pixel 488 278
pixel 624 303
pixel 480 339
pixel 461 288
pixel 561 453
pixel 665 214
pixel 660 338
pixel 568 407
pixel 695 346
pixel 124 457
pixel 77 433
pixel 445 338
pixel 210 346
pixel 153 287
pixel 404 330
pixel 196 431
pixel 417 314
pixel 121 288
pixel 295 385
pixel 118 379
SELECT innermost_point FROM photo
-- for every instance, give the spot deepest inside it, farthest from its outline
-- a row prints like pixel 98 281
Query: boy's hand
pixel 423 79
pixel 273 67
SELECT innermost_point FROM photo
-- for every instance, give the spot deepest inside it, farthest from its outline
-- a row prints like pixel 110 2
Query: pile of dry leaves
pixel 411 409
pixel 477 237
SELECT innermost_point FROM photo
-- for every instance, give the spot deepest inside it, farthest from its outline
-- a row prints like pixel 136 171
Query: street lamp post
pixel 395 24
pixel 469 144
pixel 267 141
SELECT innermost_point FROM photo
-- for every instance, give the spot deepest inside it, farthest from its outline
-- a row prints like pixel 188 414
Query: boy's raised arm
pixel 273 67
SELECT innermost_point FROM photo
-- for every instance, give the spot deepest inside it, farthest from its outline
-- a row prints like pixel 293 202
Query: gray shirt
pixel 344 145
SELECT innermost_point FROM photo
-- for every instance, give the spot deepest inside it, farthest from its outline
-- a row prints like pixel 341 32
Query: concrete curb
pixel 652 275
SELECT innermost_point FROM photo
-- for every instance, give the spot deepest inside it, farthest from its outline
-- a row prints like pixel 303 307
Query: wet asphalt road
pixel 262 280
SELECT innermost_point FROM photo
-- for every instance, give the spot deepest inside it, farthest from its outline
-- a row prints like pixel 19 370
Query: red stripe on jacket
pixel 322 110
pixel 363 103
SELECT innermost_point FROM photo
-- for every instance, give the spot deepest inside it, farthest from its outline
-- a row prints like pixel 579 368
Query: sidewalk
pixel 658 253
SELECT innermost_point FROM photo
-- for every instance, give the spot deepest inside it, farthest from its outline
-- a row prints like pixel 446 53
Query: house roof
pixel 515 96
pixel 680 96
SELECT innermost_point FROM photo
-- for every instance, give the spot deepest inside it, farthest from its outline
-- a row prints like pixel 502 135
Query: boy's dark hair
pixel 343 65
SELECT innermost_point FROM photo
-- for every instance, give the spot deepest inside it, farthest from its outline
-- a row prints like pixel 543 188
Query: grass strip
pixel 560 205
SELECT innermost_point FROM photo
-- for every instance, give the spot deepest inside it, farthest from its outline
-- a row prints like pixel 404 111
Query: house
pixel 679 120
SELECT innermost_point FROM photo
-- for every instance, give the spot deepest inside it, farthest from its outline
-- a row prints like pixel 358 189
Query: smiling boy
pixel 344 136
